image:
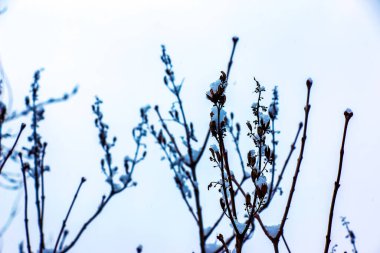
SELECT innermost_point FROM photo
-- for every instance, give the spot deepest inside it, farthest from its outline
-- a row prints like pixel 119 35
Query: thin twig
pixel 292 148
pixel 286 244
pixel 26 220
pixel 13 147
pixel 309 83
pixel 165 127
pixel 68 214
pixel 201 151
pixel 348 114
pixel 16 115
pixel 43 185
pixel 103 203
pixel 235 41
pixel 274 160
pixel 224 245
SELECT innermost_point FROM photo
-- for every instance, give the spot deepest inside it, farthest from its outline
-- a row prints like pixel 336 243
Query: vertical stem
pixel 239 243
pixel 275 246
pixel 348 114
pixel 36 164
pixel 42 186
pixel 274 161
pixel 26 220
pixel 202 239
pixel 309 83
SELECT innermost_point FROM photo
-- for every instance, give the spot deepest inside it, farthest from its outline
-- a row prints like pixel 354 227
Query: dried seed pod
pixel 254 175
pixel 222 204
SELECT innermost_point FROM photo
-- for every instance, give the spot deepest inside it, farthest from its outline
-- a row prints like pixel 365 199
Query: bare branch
pixel 348 115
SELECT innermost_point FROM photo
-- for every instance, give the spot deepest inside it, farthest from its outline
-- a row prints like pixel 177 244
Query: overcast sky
pixel 112 48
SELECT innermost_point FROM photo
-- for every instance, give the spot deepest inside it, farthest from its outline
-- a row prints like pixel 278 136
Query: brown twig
pixel 234 41
pixel 68 214
pixel 309 83
pixel 224 245
pixel 286 244
pixel 26 220
pixel 348 115
pixel 292 148
pixel 13 147
pixel 43 185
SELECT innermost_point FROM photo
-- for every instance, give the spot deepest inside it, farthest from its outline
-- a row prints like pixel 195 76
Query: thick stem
pixel 239 243
pixel 275 246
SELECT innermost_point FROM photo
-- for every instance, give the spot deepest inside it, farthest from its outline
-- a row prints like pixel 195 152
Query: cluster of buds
pixel 217 89
pixel 216 95
pixel 218 121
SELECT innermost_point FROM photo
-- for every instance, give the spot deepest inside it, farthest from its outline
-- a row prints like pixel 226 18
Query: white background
pixel 112 48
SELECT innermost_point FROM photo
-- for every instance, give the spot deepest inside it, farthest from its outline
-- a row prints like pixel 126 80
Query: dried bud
pixel 267 152
pixel 254 174
pixel 3 111
pixel 223 77
pixel 238 127
pixel 309 83
pixel 348 113
pixel 262 191
pixel 261 187
pixel 251 158
pixel 248 200
pixel 26 167
pixel 249 126
pixel 222 204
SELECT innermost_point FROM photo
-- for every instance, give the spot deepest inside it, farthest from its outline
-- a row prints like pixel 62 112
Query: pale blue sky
pixel 112 49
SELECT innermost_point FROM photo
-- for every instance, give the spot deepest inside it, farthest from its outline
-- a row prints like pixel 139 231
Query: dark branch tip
pixel 348 113
pixel 309 82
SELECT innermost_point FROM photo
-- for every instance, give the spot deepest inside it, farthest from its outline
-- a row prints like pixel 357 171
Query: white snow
pixel 117 187
pixel 273 109
pixel 194 153
pixel 272 230
pixel 240 226
pixel 265 118
pixel 222 115
pixel 212 247
pixel 125 179
pixel 348 110
pixel 207 230
pixel 214 87
pixel 215 148
pixel 261 180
